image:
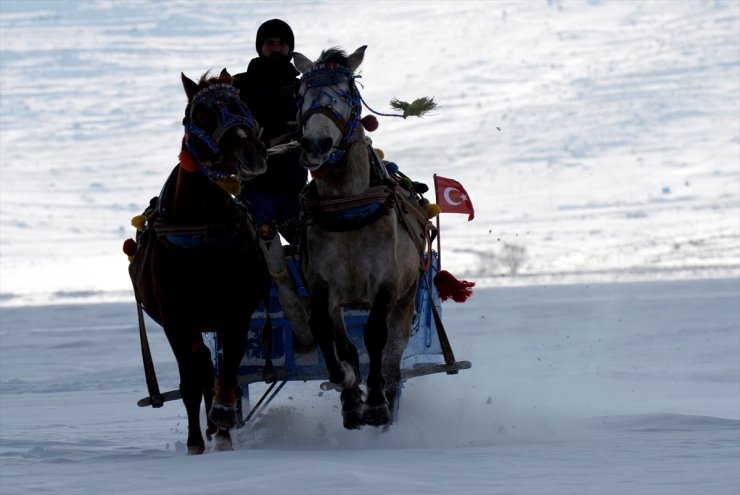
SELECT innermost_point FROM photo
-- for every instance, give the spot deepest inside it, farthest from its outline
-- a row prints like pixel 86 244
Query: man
pixel 269 88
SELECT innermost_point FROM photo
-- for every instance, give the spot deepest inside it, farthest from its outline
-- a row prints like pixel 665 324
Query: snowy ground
pixel 581 389
pixel 601 138
pixel 600 143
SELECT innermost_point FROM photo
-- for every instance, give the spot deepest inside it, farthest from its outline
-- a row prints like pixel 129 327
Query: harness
pixel 237 232
pixel 327 77
pixel 345 214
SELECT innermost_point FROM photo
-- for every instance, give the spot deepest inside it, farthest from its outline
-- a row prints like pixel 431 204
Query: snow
pixel 600 144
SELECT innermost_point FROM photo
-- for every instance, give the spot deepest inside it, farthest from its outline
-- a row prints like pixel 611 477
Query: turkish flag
pixel 452 197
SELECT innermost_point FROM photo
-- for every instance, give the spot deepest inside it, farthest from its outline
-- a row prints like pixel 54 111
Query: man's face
pixel 275 48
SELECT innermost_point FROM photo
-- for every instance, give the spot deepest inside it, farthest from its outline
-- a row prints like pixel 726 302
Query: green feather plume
pixel 417 108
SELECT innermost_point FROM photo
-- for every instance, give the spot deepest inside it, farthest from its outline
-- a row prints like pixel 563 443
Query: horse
pixel 197 266
pixel 362 245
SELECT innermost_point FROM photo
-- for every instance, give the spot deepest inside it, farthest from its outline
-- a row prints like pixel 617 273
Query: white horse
pixel 363 240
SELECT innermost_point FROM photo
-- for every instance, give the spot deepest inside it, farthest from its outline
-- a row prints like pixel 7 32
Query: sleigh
pixel 428 351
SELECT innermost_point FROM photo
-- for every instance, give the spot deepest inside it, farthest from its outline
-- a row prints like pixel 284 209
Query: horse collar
pixel 344 214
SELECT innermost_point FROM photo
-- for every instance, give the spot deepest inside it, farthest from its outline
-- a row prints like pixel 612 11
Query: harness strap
pixel 152 385
pixel 444 342
pixel 268 373
pixel 197 230
pixel 424 244
pixel 342 126
pixel 376 194
pixel 197 235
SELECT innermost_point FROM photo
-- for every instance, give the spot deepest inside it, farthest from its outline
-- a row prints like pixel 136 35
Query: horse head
pixel 221 135
pixel 330 106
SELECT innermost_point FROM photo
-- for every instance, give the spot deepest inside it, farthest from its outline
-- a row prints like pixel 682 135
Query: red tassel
pixel 129 247
pixel 450 287
pixel 187 162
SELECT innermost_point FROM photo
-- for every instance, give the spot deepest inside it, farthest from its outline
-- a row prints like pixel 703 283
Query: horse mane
pixel 208 78
pixel 334 55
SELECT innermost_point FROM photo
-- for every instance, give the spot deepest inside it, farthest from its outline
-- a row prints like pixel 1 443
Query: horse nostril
pixel 326 145
pixel 305 144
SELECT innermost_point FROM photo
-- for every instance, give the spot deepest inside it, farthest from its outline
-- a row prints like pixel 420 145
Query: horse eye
pixel 205 117
pixel 234 107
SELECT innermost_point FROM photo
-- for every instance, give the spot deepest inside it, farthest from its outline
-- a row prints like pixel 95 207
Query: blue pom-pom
pixel 391 167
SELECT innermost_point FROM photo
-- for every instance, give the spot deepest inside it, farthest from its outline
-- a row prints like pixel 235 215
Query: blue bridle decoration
pixel 224 100
pixel 327 77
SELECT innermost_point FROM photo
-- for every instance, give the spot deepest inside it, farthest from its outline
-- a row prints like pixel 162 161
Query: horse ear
pixel 226 76
pixel 354 60
pixel 190 86
pixel 302 63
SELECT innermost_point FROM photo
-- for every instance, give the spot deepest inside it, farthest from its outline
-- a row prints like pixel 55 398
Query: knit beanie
pixel 274 28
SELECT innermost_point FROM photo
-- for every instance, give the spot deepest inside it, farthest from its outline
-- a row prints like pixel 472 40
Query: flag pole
pixel 439 232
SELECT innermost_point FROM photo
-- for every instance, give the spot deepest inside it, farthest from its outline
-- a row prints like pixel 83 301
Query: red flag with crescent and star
pixel 452 197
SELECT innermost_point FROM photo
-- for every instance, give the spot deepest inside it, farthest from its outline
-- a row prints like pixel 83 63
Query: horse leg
pixel 223 410
pixel 353 408
pixel 208 377
pixel 322 328
pixel 399 328
pixel 204 362
pixel 376 336
pixel 190 387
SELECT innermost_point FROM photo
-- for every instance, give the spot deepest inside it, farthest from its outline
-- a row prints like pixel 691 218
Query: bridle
pixel 327 78
pixel 224 100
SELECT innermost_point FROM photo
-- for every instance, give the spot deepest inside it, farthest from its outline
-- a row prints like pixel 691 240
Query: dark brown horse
pixel 197 266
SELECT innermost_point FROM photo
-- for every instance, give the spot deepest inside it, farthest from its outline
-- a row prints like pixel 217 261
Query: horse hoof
pixel 196 449
pixel 353 408
pixel 223 441
pixel 378 415
pixel 223 415
pixel 196 445
pixel 353 419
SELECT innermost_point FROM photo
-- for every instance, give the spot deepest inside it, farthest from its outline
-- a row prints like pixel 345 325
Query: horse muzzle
pixel 248 152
